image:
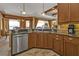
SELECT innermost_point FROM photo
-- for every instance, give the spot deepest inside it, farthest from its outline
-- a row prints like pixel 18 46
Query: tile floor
pixel 38 52
pixel 4 46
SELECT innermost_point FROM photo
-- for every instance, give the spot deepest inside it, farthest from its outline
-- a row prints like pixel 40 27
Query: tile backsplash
pixel 64 28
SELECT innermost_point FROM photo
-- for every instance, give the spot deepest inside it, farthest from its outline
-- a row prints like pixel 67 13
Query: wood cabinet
pixel 58 44
pixel 74 12
pixel 68 12
pixel 45 40
pixel 32 40
pixel 63 12
pixel 39 40
pixel 62 44
pixel 50 40
pixel 71 46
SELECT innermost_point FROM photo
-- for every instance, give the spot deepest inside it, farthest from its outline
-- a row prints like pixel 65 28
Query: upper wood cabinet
pixel 68 12
pixel 63 12
pixel 74 11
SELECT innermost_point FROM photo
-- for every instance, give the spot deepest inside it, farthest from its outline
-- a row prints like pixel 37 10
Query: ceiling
pixel 32 9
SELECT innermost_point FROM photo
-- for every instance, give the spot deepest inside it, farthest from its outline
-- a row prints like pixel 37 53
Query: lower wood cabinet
pixel 39 40
pixel 32 40
pixel 62 44
pixel 45 40
pixel 50 40
pixel 71 46
pixel 58 44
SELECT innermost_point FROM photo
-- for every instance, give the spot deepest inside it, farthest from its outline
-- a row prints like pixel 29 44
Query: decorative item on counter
pixel 71 29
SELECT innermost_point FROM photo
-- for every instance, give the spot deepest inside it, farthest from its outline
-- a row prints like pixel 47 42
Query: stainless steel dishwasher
pixel 19 42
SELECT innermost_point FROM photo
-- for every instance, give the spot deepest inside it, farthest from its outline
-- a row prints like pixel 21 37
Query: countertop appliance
pixel 71 29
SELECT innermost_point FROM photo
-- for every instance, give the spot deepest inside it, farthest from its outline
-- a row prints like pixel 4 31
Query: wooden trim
pixel 74 22
pixel 50 24
pixel 36 22
pixel 22 23
pixel 16 17
pixel 53 8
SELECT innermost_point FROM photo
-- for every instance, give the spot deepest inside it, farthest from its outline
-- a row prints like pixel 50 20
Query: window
pixel 27 24
pixel 0 24
pixel 54 23
pixel 41 24
pixel 13 24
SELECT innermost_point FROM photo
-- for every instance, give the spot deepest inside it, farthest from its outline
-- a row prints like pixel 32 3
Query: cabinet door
pixel 45 40
pixel 71 46
pixel 58 44
pixel 63 12
pixel 74 11
pixel 50 41
pixel 70 49
pixel 32 40
pixel 39 40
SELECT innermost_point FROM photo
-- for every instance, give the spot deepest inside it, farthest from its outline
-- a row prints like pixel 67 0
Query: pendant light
pixel 23 11
pixel 43 9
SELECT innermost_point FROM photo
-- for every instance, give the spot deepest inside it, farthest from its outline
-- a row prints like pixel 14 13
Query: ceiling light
pixel 43 9
pixel 23 12
pixel 43 14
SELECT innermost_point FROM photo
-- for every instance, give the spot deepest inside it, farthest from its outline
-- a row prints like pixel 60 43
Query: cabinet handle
pixel 70 38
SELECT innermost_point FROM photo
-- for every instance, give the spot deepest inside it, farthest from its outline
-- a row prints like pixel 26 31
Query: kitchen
pixel 56 29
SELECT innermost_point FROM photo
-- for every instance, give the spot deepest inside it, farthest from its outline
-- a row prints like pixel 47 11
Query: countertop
pixel 59 33
pixel 75 35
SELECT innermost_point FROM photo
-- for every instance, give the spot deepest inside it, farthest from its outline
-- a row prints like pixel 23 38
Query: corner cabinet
pixel 41 40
